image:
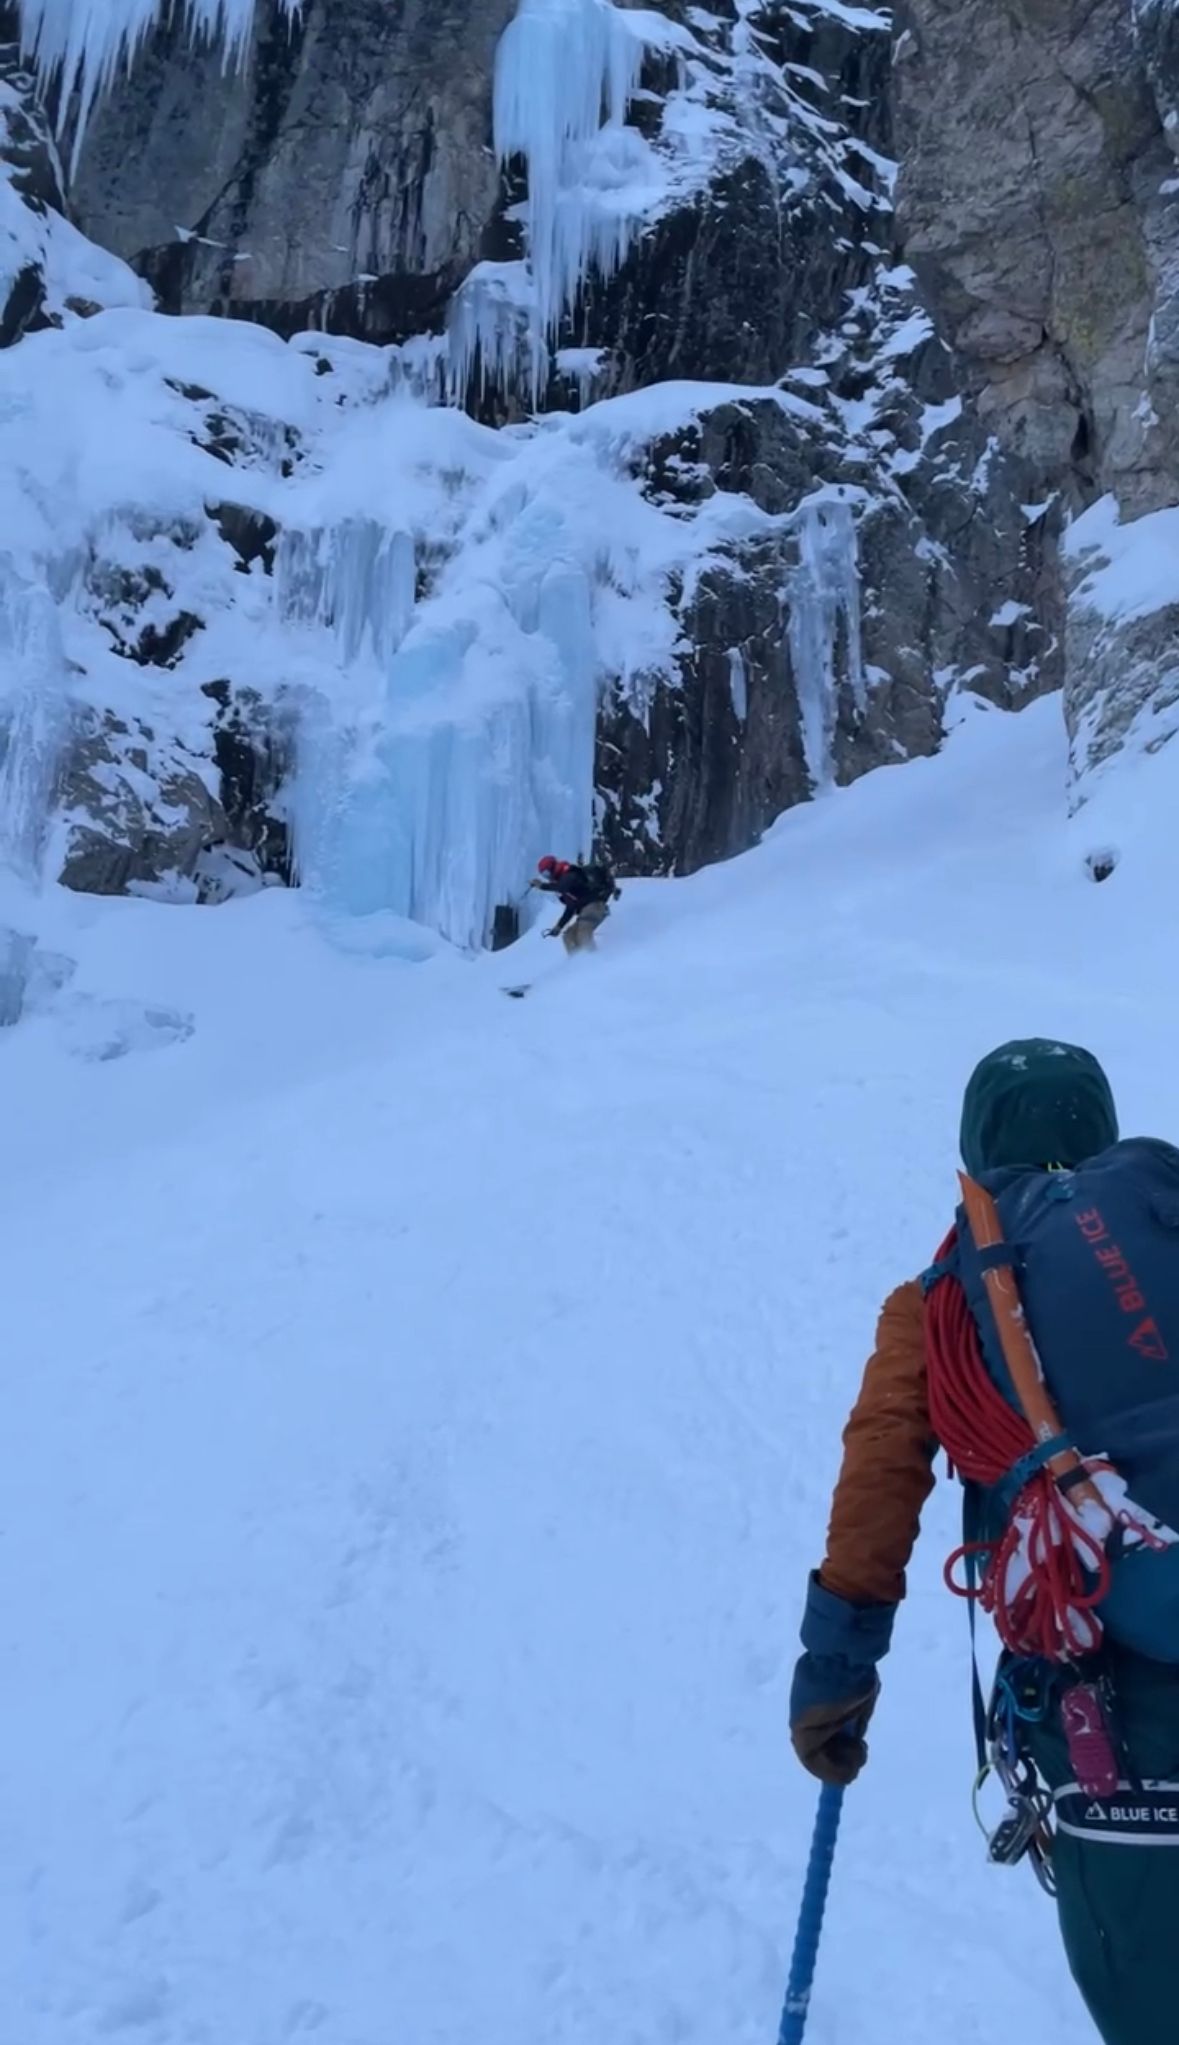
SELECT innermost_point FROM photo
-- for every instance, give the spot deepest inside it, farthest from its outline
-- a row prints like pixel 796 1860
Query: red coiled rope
pixel 1043 1580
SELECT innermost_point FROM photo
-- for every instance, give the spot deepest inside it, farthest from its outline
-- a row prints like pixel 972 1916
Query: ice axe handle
pixel 810 1916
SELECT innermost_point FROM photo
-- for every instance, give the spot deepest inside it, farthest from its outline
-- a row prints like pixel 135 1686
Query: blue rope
pixel 810 1916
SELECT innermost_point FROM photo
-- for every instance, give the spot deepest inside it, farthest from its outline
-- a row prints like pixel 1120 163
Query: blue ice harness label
pixel 1137 1814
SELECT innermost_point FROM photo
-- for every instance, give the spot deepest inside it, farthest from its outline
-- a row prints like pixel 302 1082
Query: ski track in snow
pixel 422 1422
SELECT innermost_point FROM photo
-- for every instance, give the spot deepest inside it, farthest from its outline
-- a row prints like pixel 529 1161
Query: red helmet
pixel 547 865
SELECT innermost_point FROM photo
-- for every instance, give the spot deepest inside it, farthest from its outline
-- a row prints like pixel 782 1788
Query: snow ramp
pixel 422 1412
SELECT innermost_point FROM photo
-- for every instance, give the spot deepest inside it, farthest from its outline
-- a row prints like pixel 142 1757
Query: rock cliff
pixel 1037 203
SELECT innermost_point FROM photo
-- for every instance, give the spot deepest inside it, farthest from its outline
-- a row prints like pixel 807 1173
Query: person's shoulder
pixel 902 1315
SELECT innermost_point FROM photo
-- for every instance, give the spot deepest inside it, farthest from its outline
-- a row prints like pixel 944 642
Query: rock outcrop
pixel 30 191
pixel 343 176
pixel 1037 203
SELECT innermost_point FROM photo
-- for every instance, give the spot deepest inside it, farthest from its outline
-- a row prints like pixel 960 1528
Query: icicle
pixel 565 73
pixel 34 719
pixel 420 368
pixel 357 577
pixel 81 43
pixel 823 594
pixel 738 684
pixel 490 328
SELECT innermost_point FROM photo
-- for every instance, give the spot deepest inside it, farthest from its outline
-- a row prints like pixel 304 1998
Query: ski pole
pixel 810 1916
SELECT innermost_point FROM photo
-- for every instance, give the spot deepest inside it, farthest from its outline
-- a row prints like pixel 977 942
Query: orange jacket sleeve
pixel 887 1472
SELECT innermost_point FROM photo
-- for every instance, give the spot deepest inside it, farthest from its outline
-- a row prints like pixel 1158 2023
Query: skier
pixel 1081 1580
pixel 586 893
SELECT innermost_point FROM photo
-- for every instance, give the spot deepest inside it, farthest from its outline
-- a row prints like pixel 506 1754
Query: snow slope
pixel 422 1411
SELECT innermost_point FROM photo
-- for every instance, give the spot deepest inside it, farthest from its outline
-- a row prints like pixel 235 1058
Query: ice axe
pixel 810 1916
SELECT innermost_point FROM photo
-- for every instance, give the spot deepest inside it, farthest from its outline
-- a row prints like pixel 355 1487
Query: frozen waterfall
pixel 356 576
pixel 468 748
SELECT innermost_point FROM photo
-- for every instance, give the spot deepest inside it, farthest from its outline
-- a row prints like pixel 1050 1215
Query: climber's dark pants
pixel 1119 1902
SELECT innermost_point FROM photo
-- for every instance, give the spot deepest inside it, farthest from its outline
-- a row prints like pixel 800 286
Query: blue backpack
pixel 1096 1259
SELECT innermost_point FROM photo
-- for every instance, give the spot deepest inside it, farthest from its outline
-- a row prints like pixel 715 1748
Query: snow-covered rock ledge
pixel 1123 687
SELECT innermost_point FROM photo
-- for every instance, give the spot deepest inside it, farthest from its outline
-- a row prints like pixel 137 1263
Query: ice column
pixel 738 684
pixel 357 577
pixel 477 757
pixel 34 719
pixel 823 595
pixel 491 326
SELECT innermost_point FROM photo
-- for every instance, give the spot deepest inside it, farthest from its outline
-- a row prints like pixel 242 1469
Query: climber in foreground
pixel 1065 1257
pixel 586 893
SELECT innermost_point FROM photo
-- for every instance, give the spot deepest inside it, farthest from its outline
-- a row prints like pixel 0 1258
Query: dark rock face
pixel 253 747
pixel 699 775
pixel 1156 26
pixel 346 178
pixel 28 149
pixel 1036 202
pixel 145 813
pixel 21 311
pixel 140 810
pixel 1023 213
pixel 28 162
pixel 698 771
pixel 958 586
pixel 147 806
pixel 753 276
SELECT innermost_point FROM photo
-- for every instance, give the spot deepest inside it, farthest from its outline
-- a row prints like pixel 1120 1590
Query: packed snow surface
pixel 422 1411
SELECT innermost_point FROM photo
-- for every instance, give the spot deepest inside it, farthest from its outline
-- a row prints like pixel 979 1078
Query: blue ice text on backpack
pixel 1096 1258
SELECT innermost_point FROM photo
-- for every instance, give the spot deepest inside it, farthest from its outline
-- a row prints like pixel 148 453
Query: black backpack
pixel 600 883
